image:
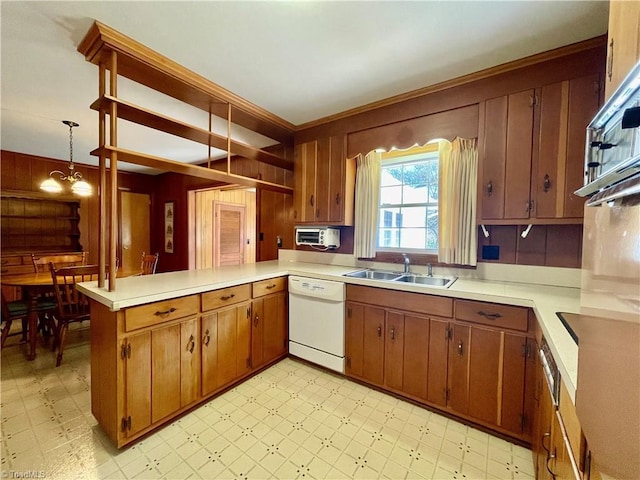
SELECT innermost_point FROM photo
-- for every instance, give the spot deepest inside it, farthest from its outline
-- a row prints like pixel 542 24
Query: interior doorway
pixel 135 237
pixel 206 240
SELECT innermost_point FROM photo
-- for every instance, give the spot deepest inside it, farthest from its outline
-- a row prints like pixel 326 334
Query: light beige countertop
pixel 545 300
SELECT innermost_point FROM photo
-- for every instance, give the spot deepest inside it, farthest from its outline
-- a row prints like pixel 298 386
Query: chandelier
pixel 78 185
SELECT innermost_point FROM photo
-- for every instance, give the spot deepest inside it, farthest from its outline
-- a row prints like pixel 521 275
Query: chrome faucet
pixel 407 264
pixel 429 270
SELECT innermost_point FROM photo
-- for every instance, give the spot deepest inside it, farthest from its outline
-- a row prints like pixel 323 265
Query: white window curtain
pixel 366 204
pixel 457 187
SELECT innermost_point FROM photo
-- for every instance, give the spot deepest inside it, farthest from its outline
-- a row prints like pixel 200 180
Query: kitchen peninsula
pixel 182 309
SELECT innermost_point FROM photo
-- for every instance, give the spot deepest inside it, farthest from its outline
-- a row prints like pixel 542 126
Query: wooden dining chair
pixel 72 306
pixel 149 263
pixel 41 262
pixel 19 310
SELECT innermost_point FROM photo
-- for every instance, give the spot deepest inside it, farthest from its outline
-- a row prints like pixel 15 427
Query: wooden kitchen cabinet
pixel 364 342
pixel 269 331
pixel 136 365
pixel 324 182
pixel 532 152
pixel 623 46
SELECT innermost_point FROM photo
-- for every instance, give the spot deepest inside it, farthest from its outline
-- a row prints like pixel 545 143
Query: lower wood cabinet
pixel 153 362
pixel 476 370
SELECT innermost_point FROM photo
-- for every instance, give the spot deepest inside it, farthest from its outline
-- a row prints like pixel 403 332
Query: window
pixel 408 214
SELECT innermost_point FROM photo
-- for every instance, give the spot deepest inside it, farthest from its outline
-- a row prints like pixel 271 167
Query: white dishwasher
pixel 316 321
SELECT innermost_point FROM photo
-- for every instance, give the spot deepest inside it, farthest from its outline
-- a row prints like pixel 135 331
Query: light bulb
pixel 82 188
pixel 51 186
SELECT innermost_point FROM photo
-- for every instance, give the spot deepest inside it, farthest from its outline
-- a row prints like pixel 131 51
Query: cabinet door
pixel 493 158
pixel 513 383
pixel 138 382
pixel 189 362
pixel 394 350
pixel 341 182
pixel 542 430
pixel 209 362
pixel 484 373
pixel 438 361
pixel 416 356
pixel 518 154
pixel 257 332
pixel 364 342
pixel 243 339
pixel 623 50
pixel 275 326
pixel 226 346
pixel 459 368
pixel 322 180
pixel 304 173
pixel 165 380
pixel 564 111
pixel 560 461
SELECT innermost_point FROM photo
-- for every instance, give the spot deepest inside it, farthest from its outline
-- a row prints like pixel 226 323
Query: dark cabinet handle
pixel 256 320
pixel 311 201
pixel 610 61
pixel 227 297
pixel 379 330
pixel 460 348
pixel 490 188
pixel 393 333
pixel 191 344
pixel 338 198
pixel 165 313
pixel 546 435
pixel 489 316
pixel 206 339
pixel 546 185
pixel 550 457
pixel 269 287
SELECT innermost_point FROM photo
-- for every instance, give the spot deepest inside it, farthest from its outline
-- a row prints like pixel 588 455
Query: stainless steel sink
pixel 433 281
pixel 426 280
pixel 374 275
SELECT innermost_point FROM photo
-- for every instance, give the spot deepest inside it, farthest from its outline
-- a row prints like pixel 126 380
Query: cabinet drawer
pixel 226 296
pixel 265 287
pixel 492 314
pixel 159 312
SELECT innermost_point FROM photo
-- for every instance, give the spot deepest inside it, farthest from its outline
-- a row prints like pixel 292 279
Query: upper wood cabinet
pixel 324 182
pixel 623 46
pixel 532 152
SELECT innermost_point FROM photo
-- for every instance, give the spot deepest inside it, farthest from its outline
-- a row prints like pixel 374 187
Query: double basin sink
pixel 430 280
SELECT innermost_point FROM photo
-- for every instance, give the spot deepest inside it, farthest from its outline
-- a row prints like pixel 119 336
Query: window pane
pixel 389 237
pixel 414 217
pixel 412 238
pixel 390 195
pixel 432 228
pixel 388 217
pixel 391 176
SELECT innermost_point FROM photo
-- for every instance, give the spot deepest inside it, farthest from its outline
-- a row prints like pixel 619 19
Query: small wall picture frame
pixel 169 213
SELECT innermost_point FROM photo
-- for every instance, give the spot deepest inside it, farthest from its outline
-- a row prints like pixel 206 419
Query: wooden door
pixel 135 215
pixel 513 367
pixel 341 182
pixel 416 356
pixel 227 346
pixel 394 350
pixel 564 111
pixel 275 326
pixel 165 367
pixel 493 158
pixel 322 180
pixel 484 374
pixel 518 154
pixel 138 381
pixel 373 352
pixel 304 172
pixel 257 333
pixel 229 234
pixel 189 362
pixel 354 339
pixel 623 50
pixel 438 362
pixel 243 339
pixel 209 362
pixel 459 368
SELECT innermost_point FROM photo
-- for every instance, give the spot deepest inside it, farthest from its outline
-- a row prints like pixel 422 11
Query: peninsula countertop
pixel 544 300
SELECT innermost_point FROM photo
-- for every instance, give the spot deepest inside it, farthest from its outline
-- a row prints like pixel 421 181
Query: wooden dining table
pixel 33 285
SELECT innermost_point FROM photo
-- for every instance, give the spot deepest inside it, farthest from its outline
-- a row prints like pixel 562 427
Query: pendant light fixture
pixel 78 185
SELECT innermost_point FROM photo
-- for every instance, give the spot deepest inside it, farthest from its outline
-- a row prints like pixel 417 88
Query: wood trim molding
pixel 464 79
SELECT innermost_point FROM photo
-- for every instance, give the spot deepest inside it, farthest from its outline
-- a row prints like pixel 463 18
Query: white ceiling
pixel 299 60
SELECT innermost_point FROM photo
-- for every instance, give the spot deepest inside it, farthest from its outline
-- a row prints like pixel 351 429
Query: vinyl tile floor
pixel 290 421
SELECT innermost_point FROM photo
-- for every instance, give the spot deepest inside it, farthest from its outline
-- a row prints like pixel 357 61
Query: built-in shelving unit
pixel 117 55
